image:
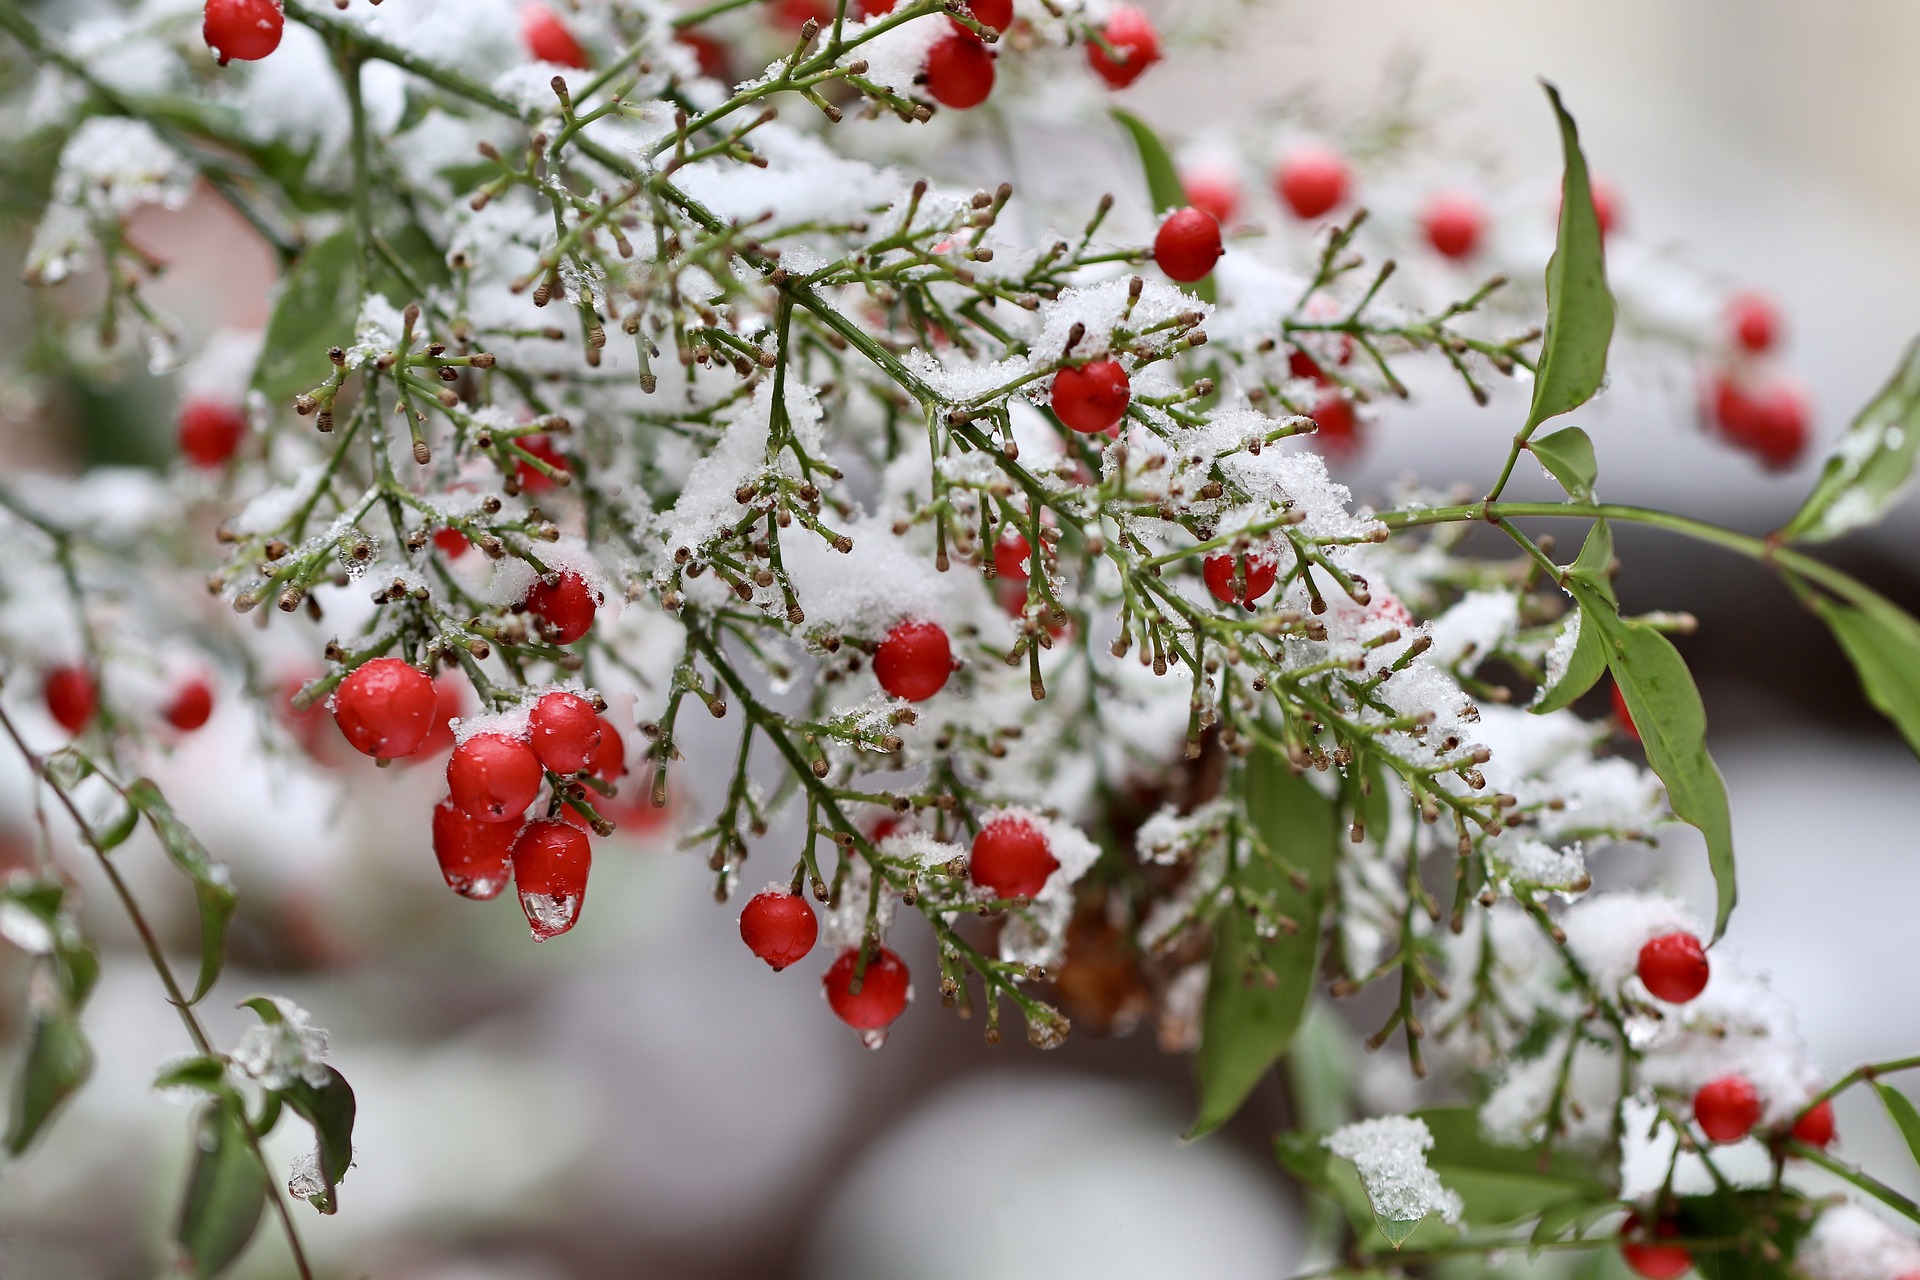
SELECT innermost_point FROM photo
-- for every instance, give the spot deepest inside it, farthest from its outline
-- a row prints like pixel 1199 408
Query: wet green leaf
pixel 1499 1185
pixel 315 309
pixel 57 1062
pixel 1905 1117
pixel 1873 467
pixel 212 886
pixel 209 1075
pixel 1666 709
pixel 1249 1022
pixel 1573 352
pixel 1568 456
pixel 226 1191
pixel 330 1109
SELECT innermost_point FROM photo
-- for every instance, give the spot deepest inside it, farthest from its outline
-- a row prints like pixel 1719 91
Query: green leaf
pixel 1249 1024
pixel 1905 1117
pixel 315 309
pixel 1584 668
pixel 209 1075
pixel 1568 455
pixel 330 1109
pixel 1594 565
pixel 1395 1230
pixel 1573 353
pixel 1572 1215
pixel 226 1191
pixel 1499 1185
pixel 1883 644
pixel 1873 467
pixel 58 1061
pixel 1667 710
pixel 212 886
pixel 112 836
pixel 1731 1215
pixel 1163 179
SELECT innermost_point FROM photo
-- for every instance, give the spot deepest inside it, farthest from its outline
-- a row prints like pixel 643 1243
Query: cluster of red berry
pixel 72 697
pixel 1673 967
pixel 1011 860
pixel 1745 401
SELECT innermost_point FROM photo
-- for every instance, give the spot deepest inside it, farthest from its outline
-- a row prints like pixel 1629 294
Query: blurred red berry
pixel 245 29
pixel 451 543
pixel 711 54
pixel 779 928
pixel 547 38
pixel 1815 1126
pixel 210 432
pixel 1011 556
pixel 1754 322
pixel 914 660
pixel 191 705
pixel 1216 192
pixel 529 477
pixel 1339 433
pixel 794 14
pixel 1454 224
pixel 1653 1261
pixel 1674 967
pixel 1625 717
pixel 72 697
pixel 959 71
pixel 1727 1108
pixel 1312 181
pixel 1128 45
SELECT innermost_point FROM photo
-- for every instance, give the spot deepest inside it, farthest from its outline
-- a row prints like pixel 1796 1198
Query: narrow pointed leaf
pixel 57 1062
pixel 1873 467
pixel 1905 1117
pixel 226 1191
pixel 1666 709
pixel 1568 456
pixel 1884 646
pixel 212 886
pixel 1249 1024
pixel 1573 352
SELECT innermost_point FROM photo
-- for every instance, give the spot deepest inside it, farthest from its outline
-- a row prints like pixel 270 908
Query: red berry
pixel 914 661
pixel 1727 1108
pixel 1012 858
pixel 997 14
pixel 565 731
pixel 245 29
pixel 884 990
pixel 493 777
pixel 779 928
pixel 1312 181
pixel 1217 193
pixel 451 542
pixel 1011 556
pixel 959 70
pixel 710 53
pixel 1674 967
pixel 1093 397
pixel 609 762
pixel 449 702
pixel 550 865
pixel 72 697
pixel 529 477
pixel 1188 244
pixel 1815 1126
pixel 1339 433
pixel 547 38
pixel 1134 43
pixel 1624 716
pixel 192 705
pixel 876 8
pixel 567 604
pixel 210 432
pixel 1779 430
pixel 1453 224
pixel 1754 322
pixel 475 857
pixel 1256 577
pixel 1654 1261
pixel 385 708
pixel 1606 206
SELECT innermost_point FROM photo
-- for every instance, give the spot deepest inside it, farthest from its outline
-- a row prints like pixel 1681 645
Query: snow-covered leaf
pixel 1872 468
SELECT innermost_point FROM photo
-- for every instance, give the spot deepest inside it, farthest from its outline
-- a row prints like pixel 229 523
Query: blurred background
pixel 643 1097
